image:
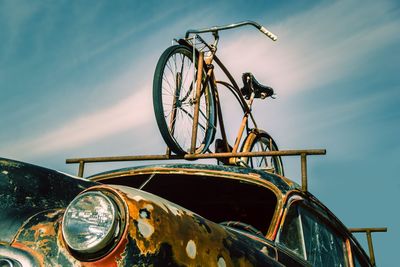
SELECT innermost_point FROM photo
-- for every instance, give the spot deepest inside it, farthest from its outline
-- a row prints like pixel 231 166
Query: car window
pixel 324 247
pixel 310 237
pixel 291 235
pixel 218 199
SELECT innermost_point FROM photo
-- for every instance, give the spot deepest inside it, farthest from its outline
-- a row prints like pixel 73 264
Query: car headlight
pixel 91 223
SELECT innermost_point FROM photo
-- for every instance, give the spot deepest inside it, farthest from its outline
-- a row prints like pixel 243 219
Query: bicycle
pixel 187 105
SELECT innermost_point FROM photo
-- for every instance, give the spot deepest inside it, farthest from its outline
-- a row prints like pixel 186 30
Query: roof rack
pixel 368 232
pixel 302 153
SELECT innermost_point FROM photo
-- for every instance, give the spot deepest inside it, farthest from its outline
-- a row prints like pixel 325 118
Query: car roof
pixel 282 183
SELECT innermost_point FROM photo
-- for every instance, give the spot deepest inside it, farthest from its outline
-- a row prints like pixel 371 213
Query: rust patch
pixel 190 238
pixel 40 236
pixel 34 253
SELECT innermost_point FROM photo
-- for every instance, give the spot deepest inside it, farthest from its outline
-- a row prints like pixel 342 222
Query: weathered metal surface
pixel 40 236
pixel 163 232
pixel 27 189
pixel 157 233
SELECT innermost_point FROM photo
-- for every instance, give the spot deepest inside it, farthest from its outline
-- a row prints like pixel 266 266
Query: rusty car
pixel 176 214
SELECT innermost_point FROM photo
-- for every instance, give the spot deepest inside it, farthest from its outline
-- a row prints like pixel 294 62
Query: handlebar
pixel 215 29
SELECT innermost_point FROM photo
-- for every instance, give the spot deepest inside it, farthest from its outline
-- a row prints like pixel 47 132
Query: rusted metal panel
pixel 27 189
pixel 40 236
pixel 184 238
pixel 157 233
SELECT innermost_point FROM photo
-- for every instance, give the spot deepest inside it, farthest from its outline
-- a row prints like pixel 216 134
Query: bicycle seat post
pixel 252 95
pixel 250 102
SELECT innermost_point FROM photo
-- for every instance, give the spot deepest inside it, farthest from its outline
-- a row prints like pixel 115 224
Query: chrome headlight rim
pixel 115 232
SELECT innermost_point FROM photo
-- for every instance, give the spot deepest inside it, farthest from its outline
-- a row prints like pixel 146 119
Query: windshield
pixel 218 199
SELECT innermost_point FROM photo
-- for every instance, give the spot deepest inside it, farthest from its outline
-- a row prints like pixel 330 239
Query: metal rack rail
pixel 368 232
pixel 302 153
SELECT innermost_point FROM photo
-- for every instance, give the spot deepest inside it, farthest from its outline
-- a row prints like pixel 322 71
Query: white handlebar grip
pixel 268 33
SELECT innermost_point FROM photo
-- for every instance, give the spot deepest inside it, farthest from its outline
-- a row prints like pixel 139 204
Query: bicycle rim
pixel 258 141
pixel 174 100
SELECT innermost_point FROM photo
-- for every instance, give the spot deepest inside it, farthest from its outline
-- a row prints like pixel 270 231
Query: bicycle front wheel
pixel 174 98
pixel 257 141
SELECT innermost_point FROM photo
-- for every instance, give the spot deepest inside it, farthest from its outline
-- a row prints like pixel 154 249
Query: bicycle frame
pixel 231 85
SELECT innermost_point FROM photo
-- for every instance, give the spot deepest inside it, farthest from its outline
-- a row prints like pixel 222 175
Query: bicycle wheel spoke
pixel 190 115
pixel 168 65
pixel 187 73
pixel 169 85
pixel 258 142
pixel 173 95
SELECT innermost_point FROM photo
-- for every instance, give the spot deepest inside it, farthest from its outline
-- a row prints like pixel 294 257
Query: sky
pixel 76 81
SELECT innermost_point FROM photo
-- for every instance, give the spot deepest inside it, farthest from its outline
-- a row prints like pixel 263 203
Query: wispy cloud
pixel 129 113
pixel 316 47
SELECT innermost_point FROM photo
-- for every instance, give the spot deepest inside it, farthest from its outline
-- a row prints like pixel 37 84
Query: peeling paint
pixel 175 210
pixel 10 163
pixel 221 262
pixel 145 229
pixel 191 249
pixel 149 207
pixel 144 213
pixel 137 198
pixel 161 233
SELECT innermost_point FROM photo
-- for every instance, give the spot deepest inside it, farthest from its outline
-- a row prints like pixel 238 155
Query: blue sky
pixel 76 78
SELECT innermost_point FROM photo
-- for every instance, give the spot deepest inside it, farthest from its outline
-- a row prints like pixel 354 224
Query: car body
pixel 167 215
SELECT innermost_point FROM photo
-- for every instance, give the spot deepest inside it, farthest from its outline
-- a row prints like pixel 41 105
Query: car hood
pixel 27 189
pixel 158 223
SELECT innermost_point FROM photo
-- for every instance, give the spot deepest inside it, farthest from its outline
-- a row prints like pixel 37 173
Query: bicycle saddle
pixel 251 84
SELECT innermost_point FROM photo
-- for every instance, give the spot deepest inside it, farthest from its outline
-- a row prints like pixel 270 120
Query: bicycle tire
pixel 258 140
pixel 173 102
